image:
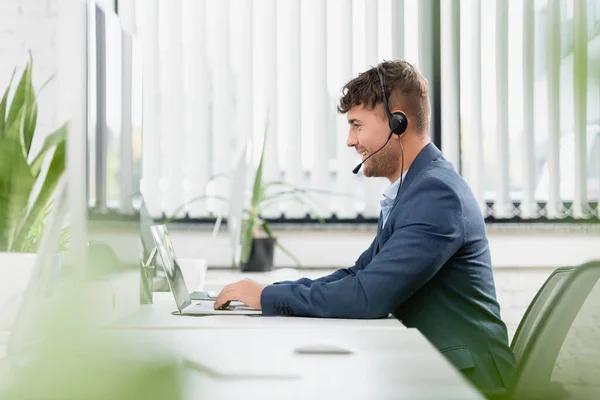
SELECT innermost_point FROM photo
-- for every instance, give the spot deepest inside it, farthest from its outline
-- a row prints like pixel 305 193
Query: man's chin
pixel 368 173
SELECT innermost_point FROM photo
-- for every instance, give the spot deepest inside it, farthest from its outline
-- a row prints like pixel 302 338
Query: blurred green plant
pixel 25 191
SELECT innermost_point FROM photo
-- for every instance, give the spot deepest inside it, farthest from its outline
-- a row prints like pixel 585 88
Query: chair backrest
pixel 562 358
pixel 537 308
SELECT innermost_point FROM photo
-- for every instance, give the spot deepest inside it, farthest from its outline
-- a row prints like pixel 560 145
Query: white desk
pixel 262 364
pixel 159 316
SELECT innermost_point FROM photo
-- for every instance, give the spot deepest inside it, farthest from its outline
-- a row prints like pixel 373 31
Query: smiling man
pixel 429 264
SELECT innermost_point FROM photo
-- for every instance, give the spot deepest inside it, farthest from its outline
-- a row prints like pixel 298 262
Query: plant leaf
pixel 308 190
pixel 190 201
pixel 3 105
pixel 16 183
pixel 19 101
pixel 30 114
pixel 13 129
pixel 247 236
pixel 30 109
pixel 55 172
pixel 54 139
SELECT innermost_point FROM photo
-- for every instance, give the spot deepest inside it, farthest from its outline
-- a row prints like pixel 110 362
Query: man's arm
pixel 431 231
pixel 360 264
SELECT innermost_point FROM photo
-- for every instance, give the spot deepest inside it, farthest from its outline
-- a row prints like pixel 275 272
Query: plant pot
pixel 261 256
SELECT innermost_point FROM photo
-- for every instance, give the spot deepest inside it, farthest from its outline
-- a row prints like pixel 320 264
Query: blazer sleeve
pixel 427 232
pixel 363 260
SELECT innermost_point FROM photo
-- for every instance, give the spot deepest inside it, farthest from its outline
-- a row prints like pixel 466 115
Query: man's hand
pixel 246 291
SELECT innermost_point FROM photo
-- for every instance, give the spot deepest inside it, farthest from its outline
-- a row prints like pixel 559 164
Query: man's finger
pixel 227 294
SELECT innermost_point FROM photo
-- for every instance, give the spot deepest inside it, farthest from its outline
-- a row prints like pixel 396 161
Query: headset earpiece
pixel 397 121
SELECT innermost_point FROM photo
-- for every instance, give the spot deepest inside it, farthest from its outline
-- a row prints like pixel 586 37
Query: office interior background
pixel 188 85
pixel 515 92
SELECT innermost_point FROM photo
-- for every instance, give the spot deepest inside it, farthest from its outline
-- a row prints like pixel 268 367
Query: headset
pixel 397 122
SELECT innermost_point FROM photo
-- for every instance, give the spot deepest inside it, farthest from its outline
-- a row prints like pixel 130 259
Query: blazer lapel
pixel 379 227
pixel 425 156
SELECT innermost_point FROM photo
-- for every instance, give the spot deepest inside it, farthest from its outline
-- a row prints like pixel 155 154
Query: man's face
pixel 368 132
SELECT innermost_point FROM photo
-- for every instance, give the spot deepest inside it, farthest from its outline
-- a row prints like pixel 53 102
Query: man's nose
pixel 351 141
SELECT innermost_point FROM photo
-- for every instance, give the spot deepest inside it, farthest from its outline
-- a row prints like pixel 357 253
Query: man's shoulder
pixel 439 176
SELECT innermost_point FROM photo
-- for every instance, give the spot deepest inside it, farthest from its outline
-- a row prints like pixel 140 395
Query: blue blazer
pixel 429 266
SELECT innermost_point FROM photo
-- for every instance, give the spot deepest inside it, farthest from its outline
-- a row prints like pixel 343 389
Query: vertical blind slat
pixel 397 29
pixel 528 207
pixel 172 134
pixel 126 158
pixel 222 160
pixel 196 111
pixel 373 186
pixel 553 208
pixel 475 152
pixel 293 165
pixel 271 166
pixel 502 207
pixel 450 48
pixel 345 182
pixel 321 104
pixel 580 59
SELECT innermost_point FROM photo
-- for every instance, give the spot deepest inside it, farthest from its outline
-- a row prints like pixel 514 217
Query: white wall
pixel 31 25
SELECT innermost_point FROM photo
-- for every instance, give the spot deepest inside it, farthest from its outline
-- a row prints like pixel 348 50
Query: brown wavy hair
pixel 405 87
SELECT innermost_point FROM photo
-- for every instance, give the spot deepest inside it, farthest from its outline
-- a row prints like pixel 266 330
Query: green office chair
pixel 537 308
pixel 557 345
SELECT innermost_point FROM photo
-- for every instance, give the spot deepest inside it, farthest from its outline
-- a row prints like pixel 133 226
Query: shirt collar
pixel 392 190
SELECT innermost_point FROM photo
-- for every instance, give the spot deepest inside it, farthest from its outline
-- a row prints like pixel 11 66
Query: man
pixel 429 264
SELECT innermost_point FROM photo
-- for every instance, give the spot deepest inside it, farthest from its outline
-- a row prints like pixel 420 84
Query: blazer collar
pixel 429 153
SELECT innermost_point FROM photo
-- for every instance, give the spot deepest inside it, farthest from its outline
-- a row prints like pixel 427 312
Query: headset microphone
pixel 357 168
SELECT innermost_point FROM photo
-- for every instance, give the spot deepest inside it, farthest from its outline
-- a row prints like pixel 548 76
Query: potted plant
pixel 26 188
pixel 257 239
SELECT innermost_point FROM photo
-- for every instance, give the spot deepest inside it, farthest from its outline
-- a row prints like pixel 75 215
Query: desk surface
pixel 252 363
pixel 159 316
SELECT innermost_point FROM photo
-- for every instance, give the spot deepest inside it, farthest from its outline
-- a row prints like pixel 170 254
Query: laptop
pixel 148 245
pixel 184 302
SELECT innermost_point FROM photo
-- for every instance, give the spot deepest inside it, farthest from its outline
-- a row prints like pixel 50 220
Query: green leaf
pixel 54 139
pixel 308 190
pixel 30 244
pixel 190 201
pixel 247 236
pixel 3 105
pixel 13 129
pixel 16 183
pixel 19 101
pixel 258 190
pixel 30 114
pixel 45 84
pixel 55 172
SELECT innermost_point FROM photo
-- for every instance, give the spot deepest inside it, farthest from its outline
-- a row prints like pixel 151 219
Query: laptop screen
pixel 171 266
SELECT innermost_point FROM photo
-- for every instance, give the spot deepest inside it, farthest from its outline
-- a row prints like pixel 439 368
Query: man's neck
pixel 412 147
